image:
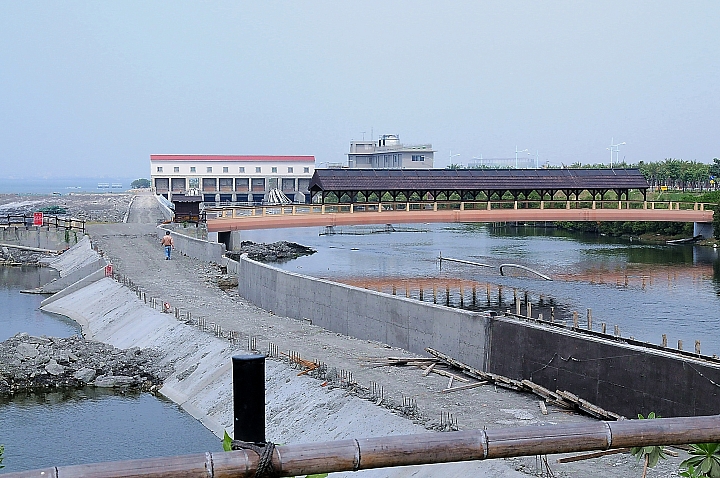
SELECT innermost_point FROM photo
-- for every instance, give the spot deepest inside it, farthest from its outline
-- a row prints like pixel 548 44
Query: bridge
pixel 238 218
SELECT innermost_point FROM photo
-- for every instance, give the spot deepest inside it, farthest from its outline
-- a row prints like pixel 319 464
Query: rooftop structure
pixel 388 153
pixel 469 184
pixel 231 178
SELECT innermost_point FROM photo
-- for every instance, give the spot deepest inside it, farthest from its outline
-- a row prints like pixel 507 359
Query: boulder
pixel 27 351
pixel 54 368
pixel 111 381
pixel 85 374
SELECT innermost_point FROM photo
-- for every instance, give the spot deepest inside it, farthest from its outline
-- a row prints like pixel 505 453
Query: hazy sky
pixel 93 88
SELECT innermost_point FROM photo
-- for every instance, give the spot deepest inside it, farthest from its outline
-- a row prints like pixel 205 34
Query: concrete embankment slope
pixel 298 408
pixel 80 264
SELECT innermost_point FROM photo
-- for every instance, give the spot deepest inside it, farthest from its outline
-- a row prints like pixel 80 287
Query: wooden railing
pixel 361 207
pixel 403 450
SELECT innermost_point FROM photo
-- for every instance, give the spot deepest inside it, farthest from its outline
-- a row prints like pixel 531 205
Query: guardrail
pixel 351 208
pixel 25 220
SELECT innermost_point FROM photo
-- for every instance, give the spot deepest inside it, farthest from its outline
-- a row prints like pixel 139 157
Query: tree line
pixel 671 173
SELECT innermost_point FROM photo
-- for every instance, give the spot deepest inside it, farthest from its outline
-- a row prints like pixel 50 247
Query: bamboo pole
pixel 420 449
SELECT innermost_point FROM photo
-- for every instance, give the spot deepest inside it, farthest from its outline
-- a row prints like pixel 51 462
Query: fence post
pixel 249 398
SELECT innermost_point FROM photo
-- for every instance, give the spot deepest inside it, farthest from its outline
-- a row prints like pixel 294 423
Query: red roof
pixel 226 157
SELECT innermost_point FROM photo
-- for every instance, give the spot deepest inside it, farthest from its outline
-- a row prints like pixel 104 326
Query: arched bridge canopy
pixel 352 185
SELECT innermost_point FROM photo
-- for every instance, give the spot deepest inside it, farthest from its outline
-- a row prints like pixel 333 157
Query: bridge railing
pixel 365 207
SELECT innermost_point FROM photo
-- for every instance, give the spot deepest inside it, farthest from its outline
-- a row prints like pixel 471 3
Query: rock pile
pixel 280 251
pixel 100 207
pixel 30 363
pixel 11 256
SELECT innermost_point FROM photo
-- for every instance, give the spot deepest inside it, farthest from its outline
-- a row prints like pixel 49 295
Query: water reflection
pixel 646 289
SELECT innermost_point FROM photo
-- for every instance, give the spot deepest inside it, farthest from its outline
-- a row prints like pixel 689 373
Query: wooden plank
pixel 429 369
pixel 543 408
pixel 463 387
pixel 590 456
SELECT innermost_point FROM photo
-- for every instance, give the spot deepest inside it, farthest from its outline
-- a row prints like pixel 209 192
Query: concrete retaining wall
pixel 35 236
pixel 167 213
pixel 197 248
pixel 623 378
pixel 364 314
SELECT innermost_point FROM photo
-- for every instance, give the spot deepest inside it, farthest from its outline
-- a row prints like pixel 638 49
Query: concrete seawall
pixel 36 236
pixel 298 409
pixel 365 314
pixel 625 378
pixel 197 248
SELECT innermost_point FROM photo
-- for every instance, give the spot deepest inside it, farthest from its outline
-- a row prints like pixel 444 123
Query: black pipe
pixel 249 398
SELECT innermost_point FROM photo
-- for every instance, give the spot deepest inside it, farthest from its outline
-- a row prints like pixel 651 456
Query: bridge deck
pixel 270 217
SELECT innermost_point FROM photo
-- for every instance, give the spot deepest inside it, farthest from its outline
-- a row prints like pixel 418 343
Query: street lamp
pixel 451 157
pixel 516 155
pixel 616 150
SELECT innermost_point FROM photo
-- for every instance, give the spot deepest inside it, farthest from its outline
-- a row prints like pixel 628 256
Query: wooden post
pixel 249 397
pixel 575 319
pixel 602 327
pixel 680 345
pixel 552 314
pixel 697 347
pixel 664 340
pixel 589 319
pixel 517 307
pixel 617 331
pixel 528 309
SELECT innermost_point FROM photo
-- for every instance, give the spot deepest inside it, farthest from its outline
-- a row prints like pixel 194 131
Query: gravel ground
pixel 95 207
pixel 193 286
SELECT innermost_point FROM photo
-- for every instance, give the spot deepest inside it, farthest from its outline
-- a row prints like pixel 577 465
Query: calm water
pixel 647 290
pixel 21 313
pixel 62 185
pixel 87 426
pixel 40 430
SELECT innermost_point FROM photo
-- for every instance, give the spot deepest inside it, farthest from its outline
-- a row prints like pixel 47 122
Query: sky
pixel 91 89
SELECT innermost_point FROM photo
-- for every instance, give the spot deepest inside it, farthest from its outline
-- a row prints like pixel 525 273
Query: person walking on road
pixel 167 241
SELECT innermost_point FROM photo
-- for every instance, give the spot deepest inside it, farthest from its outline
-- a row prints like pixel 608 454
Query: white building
pixel 231 178
pixel 389 153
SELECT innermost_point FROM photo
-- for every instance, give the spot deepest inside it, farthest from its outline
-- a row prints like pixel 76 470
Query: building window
pixel 209 169
pixel 258 169
pixel 273 170
pixel 290 170
pixel 192 169
pixel 176 169
pixel 242 169
pixel 306 170
pixel 225 169
pixel 418 157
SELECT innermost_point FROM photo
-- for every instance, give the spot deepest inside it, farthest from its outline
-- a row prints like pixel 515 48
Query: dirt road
pixel 192 285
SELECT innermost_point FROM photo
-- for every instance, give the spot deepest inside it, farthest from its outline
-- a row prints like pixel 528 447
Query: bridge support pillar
pixel 703 228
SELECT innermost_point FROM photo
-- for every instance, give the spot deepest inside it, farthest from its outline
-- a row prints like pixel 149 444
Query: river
pixel 63 428
pixel 646 289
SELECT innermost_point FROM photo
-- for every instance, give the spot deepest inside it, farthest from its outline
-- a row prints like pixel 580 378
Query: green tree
pixel 140 183
pixel 705 459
